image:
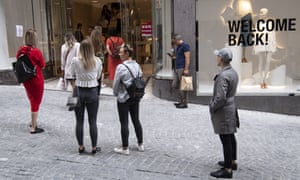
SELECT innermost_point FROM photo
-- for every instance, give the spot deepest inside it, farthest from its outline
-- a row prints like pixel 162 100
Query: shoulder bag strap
pixel 129 70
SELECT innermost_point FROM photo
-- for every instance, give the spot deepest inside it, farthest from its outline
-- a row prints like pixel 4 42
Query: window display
pixel 263 37
pixel 162 43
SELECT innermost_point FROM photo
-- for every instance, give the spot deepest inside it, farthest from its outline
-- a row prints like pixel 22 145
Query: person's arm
pixel 99 72
pixel 117 81
pixel 40 59
pixel 77 46
pixel 173 57
pixel 62 59
pixel 122 43
pixel 108 47
pixel 73 67
pixel 219 98
pixel 187 62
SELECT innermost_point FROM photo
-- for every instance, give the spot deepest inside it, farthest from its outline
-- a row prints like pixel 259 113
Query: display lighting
pixel 244 7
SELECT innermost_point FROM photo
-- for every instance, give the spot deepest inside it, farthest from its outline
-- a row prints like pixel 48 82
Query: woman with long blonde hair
pixel 69 50
pixel 87 69
pixel 98 44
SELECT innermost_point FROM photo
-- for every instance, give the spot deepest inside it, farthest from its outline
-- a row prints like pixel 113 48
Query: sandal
pixel 37 130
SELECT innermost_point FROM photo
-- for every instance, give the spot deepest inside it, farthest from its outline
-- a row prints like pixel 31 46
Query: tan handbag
pixel 186 83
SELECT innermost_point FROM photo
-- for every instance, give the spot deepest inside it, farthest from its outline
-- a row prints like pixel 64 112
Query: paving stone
pixel 179 144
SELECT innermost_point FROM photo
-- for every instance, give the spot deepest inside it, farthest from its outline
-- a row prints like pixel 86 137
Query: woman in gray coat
pixel 224 112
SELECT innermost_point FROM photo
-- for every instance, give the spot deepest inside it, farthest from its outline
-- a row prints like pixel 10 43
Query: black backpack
pixel 137 88
pixel 115 50
pixel 23 68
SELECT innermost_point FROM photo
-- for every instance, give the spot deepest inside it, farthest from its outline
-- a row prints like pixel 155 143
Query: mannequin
pixel 265 52
pixel 244 11
pixel 247 18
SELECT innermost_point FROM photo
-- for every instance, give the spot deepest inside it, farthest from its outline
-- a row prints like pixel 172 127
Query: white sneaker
pixel 122 151
pixel 140 148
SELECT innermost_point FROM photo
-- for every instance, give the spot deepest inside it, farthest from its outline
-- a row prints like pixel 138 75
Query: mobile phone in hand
pixel 170 54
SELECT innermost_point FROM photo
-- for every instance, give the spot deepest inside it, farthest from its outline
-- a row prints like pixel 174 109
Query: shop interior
pixel 128 17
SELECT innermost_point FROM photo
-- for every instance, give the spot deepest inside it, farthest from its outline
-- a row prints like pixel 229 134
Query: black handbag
pixel 74 101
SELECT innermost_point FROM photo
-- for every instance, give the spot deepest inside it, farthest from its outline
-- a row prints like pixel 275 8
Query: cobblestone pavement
pixel 179 143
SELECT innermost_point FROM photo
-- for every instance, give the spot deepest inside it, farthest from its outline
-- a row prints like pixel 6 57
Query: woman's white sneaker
pixel 140 148
pixel 120 150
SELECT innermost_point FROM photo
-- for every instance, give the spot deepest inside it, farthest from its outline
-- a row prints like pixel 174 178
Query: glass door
pixel 58 23
pixel 136 29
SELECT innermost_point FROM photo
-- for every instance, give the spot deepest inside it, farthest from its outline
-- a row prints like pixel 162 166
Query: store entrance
pixel 131 18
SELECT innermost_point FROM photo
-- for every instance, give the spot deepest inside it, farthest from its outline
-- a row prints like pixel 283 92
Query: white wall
pixel 5 63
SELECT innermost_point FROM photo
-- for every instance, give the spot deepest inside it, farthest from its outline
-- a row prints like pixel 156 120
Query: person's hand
pixel 244 60
pixel 186 72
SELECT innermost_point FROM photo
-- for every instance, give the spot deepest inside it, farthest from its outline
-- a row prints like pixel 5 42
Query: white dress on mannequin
pixel 265 51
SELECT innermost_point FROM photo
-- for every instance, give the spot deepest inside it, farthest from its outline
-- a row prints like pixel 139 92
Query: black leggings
pixel 229 149
pixel 131 106
pixel 88 99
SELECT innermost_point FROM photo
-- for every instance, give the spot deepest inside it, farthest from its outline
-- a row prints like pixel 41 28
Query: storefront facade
pixel 53 18
pixel 262 34
pixel 15 18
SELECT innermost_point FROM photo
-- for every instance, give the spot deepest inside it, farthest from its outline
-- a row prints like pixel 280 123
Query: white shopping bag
pixel 61 85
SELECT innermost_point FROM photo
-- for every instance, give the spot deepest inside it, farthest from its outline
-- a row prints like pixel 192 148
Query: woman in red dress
pixel 35 86
pixel 113 42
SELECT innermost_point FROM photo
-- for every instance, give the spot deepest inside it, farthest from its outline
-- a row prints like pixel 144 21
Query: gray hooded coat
pixel 222 105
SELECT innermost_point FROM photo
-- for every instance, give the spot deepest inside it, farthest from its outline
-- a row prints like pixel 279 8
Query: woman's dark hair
pixel 79 25
pixel 128 49
pixel 96 41
pixel 113 32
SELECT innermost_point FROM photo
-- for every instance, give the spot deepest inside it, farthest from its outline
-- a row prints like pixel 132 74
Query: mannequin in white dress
pixel 265 51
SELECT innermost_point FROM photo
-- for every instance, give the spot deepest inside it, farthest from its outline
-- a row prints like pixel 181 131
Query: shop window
pixel 162 32
pixel 264 38
pixel 30 15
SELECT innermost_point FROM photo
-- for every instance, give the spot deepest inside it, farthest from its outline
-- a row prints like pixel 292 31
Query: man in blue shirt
pixel 182 64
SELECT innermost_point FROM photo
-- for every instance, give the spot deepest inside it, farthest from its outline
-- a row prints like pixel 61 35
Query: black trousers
pixel 229 149
pixel 130 106
pixel 89 100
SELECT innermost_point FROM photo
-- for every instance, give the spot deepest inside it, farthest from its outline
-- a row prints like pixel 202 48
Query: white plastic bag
pixel 61 85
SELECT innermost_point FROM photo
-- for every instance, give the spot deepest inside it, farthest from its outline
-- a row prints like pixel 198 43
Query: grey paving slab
pixel 179 143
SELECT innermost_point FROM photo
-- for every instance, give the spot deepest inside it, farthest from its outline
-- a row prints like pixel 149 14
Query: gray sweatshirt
pixel 123 79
